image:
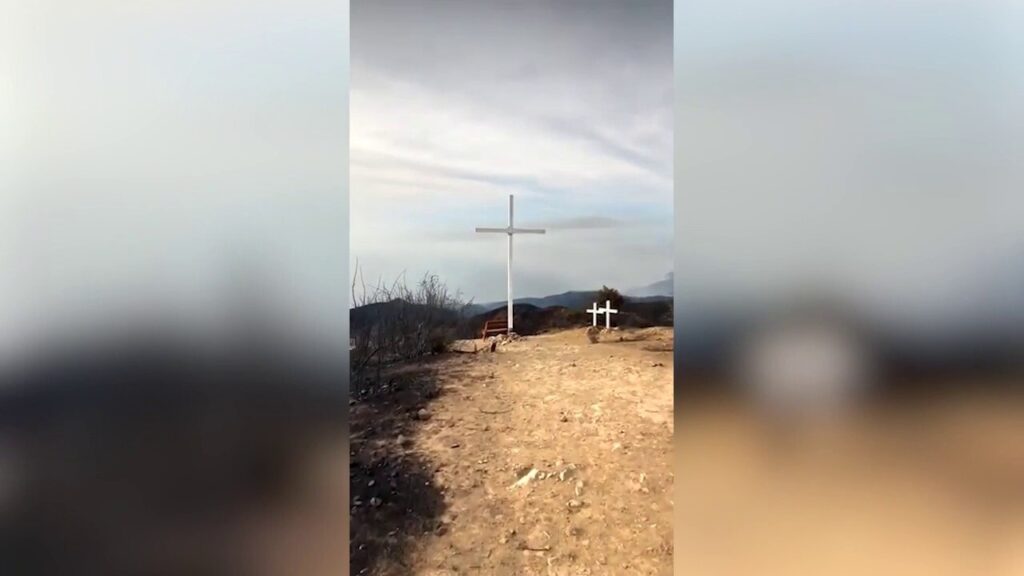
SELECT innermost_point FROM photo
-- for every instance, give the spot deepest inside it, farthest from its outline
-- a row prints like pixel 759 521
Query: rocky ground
pixel 551 455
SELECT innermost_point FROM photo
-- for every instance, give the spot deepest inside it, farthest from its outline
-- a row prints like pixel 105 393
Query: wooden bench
pixel 494 327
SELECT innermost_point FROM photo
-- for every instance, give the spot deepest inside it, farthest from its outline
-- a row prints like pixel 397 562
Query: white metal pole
pixel 510 263
pixel 607 314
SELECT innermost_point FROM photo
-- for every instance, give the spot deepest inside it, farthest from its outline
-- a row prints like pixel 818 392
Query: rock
pixel 455 444
pixel 575 504
pixel 578 489
pixel 526 478
pixel 375 502
pixel 422 414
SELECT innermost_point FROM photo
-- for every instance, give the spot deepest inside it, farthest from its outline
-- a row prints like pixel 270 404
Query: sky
pixel 157 146
pixel 868 148
pixel 149 150
pixel 565 104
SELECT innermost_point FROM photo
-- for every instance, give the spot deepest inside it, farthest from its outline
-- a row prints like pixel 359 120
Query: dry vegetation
pixel 393 322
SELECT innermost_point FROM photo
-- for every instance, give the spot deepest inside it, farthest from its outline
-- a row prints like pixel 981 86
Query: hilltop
pixel 549 456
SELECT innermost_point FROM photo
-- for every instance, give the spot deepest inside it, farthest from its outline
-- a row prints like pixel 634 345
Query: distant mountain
pixel 364 316
pixel 573 300
pixel 530 319
pixel 660 288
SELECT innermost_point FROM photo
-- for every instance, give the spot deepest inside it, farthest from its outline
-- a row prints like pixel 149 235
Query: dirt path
pixel 436 452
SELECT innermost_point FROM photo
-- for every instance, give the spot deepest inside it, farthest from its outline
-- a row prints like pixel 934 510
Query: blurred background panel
pixel 849 287
pixel 173 287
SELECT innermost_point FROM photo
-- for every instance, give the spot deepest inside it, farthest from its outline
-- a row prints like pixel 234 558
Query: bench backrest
pixel 492 327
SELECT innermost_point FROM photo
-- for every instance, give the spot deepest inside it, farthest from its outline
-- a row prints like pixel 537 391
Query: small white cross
pixel 594 311
pixel 608 311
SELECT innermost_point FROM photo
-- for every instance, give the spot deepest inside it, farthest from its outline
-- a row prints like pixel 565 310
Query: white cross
pixel 511 230
pixel 608 311
pixel 594 311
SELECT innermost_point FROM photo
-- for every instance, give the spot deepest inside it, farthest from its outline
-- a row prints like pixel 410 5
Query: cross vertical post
pixel 608 311
pixel 511 230
pixel 509 275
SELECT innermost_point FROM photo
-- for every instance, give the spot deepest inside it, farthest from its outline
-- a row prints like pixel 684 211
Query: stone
pixel 526 478
pixel 422 414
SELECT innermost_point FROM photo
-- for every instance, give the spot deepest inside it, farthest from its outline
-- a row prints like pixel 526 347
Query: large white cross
pixel 608 311
pixel 511 231
pixel 594 311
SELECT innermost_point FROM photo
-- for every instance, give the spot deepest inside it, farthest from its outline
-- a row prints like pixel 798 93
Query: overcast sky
pixel 868 147
pixel 150 147
pixel 566 104
pixel 149 150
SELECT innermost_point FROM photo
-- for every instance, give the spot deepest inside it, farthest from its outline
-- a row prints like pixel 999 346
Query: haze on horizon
pixel 567 105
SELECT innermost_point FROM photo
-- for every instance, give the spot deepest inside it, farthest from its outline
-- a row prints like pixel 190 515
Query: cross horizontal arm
pixel 500 230
pixel 528 231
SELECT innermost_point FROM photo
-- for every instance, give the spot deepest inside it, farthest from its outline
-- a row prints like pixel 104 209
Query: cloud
pixel 585 223
pixel 849 145
pixel 156 144
pixel 567 105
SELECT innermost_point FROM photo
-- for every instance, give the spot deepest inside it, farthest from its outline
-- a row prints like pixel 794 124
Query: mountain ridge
pixel 573 300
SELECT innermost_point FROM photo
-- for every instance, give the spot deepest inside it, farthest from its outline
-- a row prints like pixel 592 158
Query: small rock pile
pixel 500 340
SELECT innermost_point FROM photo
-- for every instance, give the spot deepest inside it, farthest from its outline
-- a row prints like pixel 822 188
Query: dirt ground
pixel 932 486
pixel 585 429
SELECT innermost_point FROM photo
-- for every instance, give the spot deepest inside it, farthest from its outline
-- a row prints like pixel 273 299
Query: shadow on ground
pixel 395 502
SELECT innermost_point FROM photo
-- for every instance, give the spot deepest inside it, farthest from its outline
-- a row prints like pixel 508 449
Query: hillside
pixel 573 300
pixel 529 319
pixel 363 316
